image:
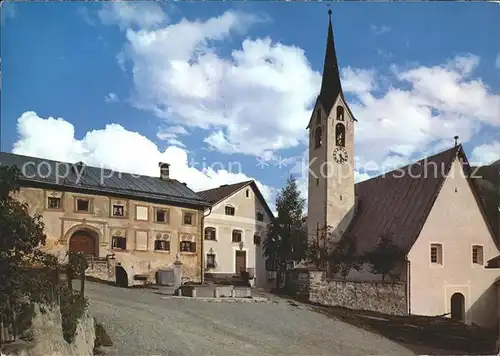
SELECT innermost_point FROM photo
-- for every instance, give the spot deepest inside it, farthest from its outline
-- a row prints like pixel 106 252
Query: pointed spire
pixel 330 85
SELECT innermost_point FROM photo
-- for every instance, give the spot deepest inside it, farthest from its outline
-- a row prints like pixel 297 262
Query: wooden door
pixel 83 241
pixel 241 262
pixel 458 307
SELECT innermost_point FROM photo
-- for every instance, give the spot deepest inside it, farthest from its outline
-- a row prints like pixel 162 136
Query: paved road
pixel 141 323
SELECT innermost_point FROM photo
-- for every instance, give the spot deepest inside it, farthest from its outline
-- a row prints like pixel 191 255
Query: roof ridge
pixel 456 148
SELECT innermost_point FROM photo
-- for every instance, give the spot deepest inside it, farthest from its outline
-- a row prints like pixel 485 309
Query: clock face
pixel 340 155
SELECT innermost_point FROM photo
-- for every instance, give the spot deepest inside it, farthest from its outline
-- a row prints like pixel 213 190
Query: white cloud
pixel 116 148
pixel 111 98
pixel 380 30
pixel 424 108
pixel 125 14
pixel 255 100
pixel 486 153
pixel 165 133
pixel 357 81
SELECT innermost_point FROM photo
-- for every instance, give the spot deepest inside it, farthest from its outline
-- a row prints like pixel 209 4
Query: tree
pixel 286 240
pixel 20 236
pixel 317 250
pixel 384 257
pixel 345 257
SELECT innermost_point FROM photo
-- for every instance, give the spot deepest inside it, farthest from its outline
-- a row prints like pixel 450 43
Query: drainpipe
pixel 408 284
pixel 202 265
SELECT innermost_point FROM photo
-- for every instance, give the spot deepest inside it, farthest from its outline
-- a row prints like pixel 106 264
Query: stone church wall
pixel 379 296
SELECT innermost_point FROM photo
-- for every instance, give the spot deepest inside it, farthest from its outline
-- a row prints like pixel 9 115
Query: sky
pixel 223 91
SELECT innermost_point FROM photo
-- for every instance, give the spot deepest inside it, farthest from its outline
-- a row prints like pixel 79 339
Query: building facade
pixel 234 232
pixel 142 223
pixel 432 210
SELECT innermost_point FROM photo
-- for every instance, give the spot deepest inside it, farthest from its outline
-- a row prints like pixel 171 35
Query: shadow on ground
pixel 420 334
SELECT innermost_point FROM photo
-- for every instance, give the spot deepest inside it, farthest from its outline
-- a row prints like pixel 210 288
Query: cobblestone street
pixel 142 323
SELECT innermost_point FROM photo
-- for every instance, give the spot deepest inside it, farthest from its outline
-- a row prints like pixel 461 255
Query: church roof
pixel 488 185
pixel 397 204
pixel 331 86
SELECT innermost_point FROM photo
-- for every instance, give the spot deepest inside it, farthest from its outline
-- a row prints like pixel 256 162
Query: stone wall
pixel 46 336
pixel 380 296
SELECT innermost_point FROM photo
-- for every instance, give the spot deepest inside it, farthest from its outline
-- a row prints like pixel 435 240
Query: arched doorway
pixel 83 241
pixel 121 277
pixel 458 307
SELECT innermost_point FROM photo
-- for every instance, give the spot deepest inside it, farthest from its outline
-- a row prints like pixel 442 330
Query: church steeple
pixel 330 85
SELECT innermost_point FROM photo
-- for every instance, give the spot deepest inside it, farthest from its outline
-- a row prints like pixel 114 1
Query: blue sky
pixel 227 83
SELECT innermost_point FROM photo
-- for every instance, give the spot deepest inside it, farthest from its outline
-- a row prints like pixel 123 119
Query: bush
pixel 101 336
pixel 73 307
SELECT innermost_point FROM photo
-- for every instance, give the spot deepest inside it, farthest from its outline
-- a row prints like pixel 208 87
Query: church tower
pixel 331 196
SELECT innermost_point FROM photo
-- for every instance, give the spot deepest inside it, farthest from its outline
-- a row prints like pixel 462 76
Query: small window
pixel 229 210
pixel 237 235
pixel 118 210
pixel 162 245
pixel 54 203
pixel 477 255
pixel 270 265
pixel 141 212
pixel 318 117
pixel 317 137
pixel 256 240
pixel 82 205
pixel 188 218
pixel 119 243
pixel 317 181
pixel 260 216
pixel 188 246
pixel 210 233
pixel 161 215
pixel 210 260
pixel 340 113
pixel 247 193
pixel 436 254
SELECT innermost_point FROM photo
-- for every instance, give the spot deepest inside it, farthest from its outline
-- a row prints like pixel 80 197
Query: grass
pixel 102 338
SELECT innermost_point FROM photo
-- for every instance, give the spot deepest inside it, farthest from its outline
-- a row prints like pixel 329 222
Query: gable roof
pixel 216 195
pixel 397 204
pixel 488 187
pixel 61 175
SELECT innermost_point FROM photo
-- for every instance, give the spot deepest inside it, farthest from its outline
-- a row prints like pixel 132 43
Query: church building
pixel 432 210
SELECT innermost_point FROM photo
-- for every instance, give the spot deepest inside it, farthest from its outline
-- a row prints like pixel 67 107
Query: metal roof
pixel 64 175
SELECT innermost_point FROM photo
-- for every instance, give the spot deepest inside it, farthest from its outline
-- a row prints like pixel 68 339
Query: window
pixel 260 216
pixel 270 265
pixel 162 245
pixel 437 254
pixel 229 210
pixel 256 239
pixel 340 135
pixel 340 113
pixel 317 181
pixel 82 205
pixel 118 210
pixel 119 243
pixel 477 255
pixel 141 240
pixel 210 233
pixel 247 193
pixel 237 235
pixel 318 117
pixel 141 212
pixel 161 215
pixel 54 203
pixel 188 218
pixel 188 246
pixel 317 137
pixel 210 260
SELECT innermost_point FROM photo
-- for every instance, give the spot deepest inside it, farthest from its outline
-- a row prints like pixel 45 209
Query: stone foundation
pixel 379 296
pixel 47 336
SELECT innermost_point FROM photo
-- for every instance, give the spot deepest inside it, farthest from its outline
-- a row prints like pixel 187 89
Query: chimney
pixel 164 170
